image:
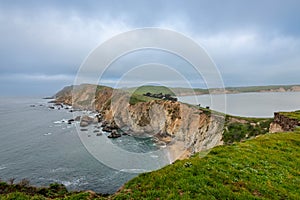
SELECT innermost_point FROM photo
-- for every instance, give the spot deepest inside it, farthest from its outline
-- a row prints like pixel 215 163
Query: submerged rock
pixel 70 121
pixel 77 118
pixel 114 134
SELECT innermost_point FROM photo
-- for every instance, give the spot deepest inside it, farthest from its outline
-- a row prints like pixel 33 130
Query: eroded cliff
pixel 184 128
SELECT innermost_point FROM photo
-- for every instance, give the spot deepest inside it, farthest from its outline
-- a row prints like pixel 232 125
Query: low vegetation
pixel 292 115
pixel 263 168
pixel 237 129
pixel 24 191
pixel 152 89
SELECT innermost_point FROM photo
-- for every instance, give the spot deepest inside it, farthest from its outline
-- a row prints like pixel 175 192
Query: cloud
pixel 252 43
pixel 51 42
pixel 36 77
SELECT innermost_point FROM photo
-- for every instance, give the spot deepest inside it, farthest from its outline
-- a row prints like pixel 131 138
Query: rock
pixel 84 129
pixel 77 118
pixel 99 117
pixel 114 134
pixel 70 121
pixel 86 120
pixel 84 123
pixel 59 104
pixel 99 134
pixel 105 123
pixel 95 121
pixel 96 131
pixel 51 107
pixel 32 105
pixel 107 129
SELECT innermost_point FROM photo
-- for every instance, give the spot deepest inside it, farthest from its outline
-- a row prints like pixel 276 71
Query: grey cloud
pixel 243 37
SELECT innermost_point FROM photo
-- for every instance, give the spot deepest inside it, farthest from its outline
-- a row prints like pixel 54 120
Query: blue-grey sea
pixel 37 144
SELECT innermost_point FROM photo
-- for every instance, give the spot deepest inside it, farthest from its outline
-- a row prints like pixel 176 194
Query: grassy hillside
pixel 263 168
pixel 259 88
pixel 152 89
pixel 191 91
pixel 138 93
pixel 292 115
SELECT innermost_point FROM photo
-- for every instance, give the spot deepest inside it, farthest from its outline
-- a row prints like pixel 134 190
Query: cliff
pixel 182 127
pixel 285 121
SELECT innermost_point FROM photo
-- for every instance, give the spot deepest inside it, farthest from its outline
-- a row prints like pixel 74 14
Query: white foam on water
pixel 133 170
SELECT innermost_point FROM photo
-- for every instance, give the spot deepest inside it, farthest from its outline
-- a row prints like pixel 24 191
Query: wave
pixel 134 170
pixel 76 182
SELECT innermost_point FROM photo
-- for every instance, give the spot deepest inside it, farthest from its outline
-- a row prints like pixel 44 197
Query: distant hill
pixel 177 91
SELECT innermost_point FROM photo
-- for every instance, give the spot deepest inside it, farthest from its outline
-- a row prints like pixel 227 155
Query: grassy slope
pixel 263 168
pixel 259 88
pixel 292 115
pixel 185 91
pixel 152 89
pixel 137 93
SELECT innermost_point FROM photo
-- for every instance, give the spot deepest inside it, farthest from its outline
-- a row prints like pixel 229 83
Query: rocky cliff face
pixel 283 123
pixel 185 129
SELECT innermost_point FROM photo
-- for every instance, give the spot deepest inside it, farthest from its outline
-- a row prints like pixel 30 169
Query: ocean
pixel 37 144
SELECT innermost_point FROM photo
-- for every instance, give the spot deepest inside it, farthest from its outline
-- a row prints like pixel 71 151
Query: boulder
pixel 70 121
pixel 106 129
pixel 77 118
pixel 114 134
pixel 84 123
pixel 86 120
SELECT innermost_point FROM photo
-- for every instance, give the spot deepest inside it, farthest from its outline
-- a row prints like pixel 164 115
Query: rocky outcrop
pixel 86 120
pixel 184 128
pixel 283 123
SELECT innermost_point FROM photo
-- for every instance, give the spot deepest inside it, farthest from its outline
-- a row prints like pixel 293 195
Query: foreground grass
pixel 266 167
pixel 23 191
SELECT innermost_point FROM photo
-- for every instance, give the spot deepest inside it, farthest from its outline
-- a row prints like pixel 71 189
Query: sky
pixel 43 43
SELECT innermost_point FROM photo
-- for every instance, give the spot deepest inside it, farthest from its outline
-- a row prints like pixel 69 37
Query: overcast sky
pixel 43 43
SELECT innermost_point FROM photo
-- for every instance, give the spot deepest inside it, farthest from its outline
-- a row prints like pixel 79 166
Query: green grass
pixel 136 98
pixel 235 131
pixel 263 168
pixel 21 191
pixel 152 89
pixel 137 93
pixel 259 88
pixel 292 115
